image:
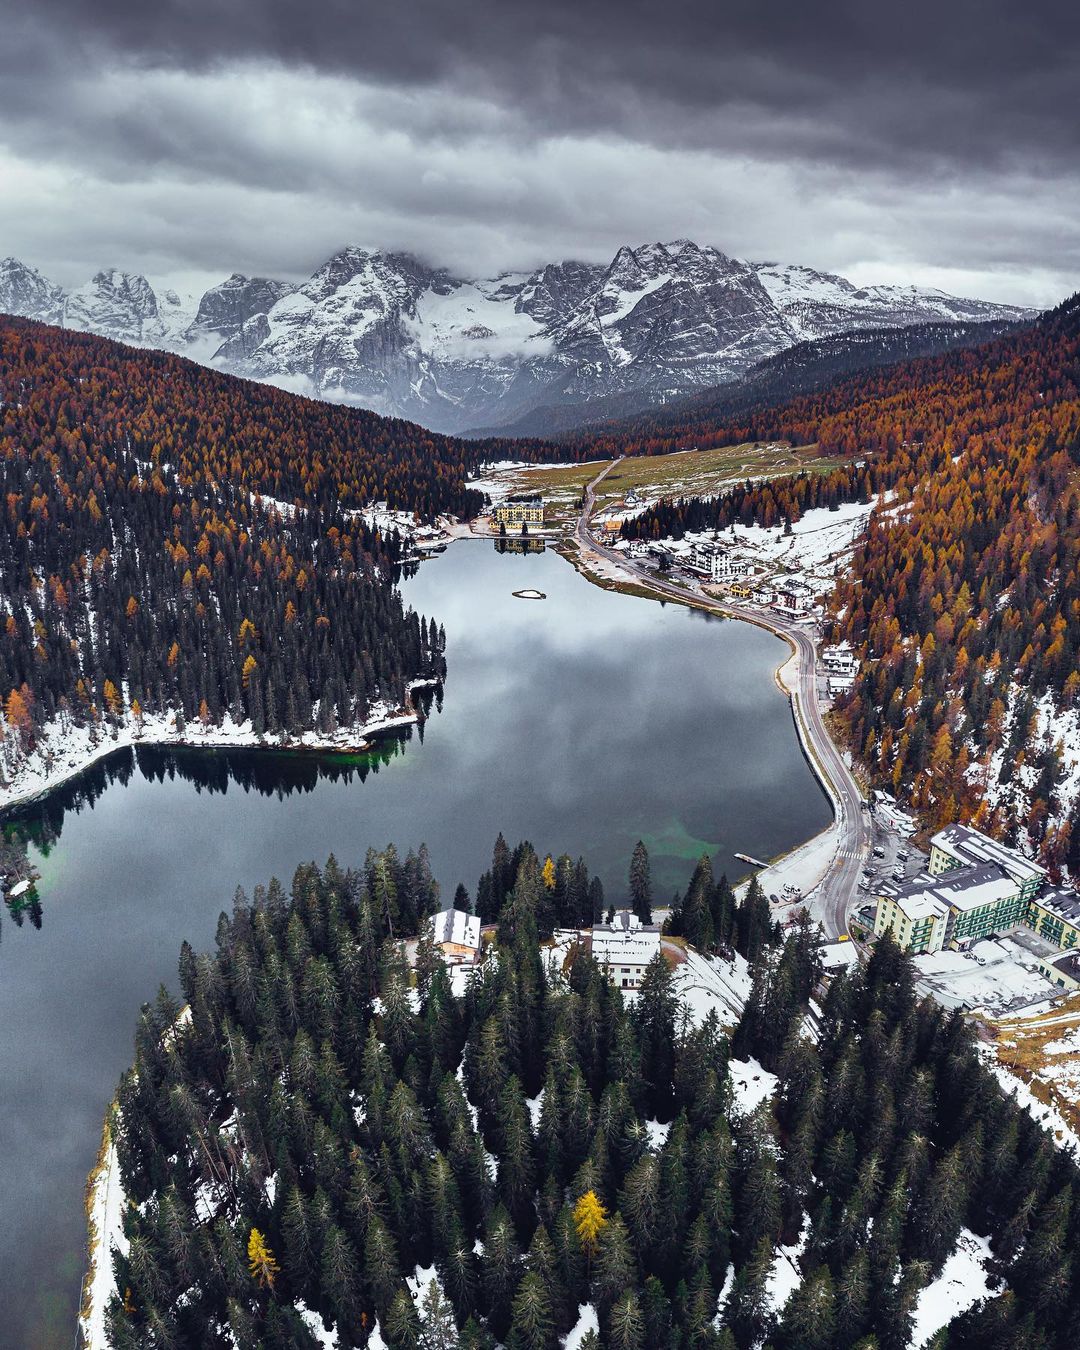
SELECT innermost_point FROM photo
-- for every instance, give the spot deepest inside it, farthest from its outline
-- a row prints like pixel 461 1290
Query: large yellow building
pixel 519 511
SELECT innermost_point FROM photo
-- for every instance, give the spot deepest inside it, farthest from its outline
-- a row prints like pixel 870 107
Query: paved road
pixel 834 898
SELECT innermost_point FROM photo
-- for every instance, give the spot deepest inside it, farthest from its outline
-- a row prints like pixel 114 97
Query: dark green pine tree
pixel 641 883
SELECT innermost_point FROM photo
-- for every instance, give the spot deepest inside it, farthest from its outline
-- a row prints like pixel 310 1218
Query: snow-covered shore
pixel 61 754
pixel 104 1215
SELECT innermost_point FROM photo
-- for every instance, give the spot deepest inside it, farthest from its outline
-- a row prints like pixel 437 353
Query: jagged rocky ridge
pixel 389 332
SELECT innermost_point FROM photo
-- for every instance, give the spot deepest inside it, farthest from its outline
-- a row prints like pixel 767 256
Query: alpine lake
pixel 582 722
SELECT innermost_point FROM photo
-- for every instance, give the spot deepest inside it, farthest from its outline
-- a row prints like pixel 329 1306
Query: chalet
pixel 624 947
pixel 839 660
pixel 763 595
pixel 522 510
pixel 457 935
pixel 742 589
pixel 638 548
pixel 793 597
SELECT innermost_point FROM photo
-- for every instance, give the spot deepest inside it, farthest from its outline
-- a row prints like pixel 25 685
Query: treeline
pixel 323 1121
pixel 963 601
pixel 144 573
pixel 704 420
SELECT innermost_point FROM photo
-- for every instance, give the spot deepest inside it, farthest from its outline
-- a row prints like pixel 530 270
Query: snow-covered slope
pixel 389 332
pixel 23 290
pixel 818 304
pixel 119 304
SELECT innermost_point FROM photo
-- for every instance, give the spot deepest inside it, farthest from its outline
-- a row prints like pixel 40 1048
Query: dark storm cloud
pixel 972 80
pixel 932 135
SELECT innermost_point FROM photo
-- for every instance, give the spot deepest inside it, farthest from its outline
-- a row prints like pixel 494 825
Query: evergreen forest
pixel 328 1145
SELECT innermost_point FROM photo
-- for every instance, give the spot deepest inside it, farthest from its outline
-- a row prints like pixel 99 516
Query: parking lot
pixel 894 858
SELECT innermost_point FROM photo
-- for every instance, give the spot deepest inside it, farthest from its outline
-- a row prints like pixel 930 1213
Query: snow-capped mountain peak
pixel 389 331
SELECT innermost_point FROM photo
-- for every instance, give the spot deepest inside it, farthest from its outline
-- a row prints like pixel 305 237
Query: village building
pixel 838 955
pixel 457 935
pixel 839 660
pixel 917 919
pixel 835 685
pixel 624 948
pixel 975 886
pixel 762 594
pixel 716 561
pixel 522 510
pixel 793 597
pixel 960 846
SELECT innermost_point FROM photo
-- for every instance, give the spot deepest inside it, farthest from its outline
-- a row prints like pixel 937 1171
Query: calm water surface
pixel 581 722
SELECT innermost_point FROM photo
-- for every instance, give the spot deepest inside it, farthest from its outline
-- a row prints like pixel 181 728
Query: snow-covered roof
pixel 613 947
pixel 454 925
pixel 836 954
pixel 19 888
pixel 964 888
pixel 921 904
pixel 971 846
pixel 1064 902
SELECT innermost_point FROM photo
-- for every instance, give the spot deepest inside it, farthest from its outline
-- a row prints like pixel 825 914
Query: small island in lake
pixel 529 594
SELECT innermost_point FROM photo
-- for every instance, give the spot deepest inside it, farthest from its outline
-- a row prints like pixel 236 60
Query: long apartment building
pixel 975 886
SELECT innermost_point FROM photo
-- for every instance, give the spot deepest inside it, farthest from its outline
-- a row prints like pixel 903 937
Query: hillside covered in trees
pixel 963 600
pixel 174 541
pixel 533 1151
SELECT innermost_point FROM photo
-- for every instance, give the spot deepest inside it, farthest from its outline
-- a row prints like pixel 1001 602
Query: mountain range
pixel 386 331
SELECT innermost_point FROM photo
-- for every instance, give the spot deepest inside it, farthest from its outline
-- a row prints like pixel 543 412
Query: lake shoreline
pixel 229 736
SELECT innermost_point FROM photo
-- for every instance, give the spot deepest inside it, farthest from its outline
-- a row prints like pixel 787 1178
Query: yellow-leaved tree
pixel 261 1260
pixel 549 873
pixel 590 1219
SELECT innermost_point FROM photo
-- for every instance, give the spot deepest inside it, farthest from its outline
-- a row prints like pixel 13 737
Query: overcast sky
pixel 928 142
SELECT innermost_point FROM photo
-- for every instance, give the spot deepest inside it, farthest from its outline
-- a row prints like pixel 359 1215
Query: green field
pixel 699 473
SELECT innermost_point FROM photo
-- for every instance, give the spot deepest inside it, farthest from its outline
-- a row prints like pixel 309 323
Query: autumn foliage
pixel 964 598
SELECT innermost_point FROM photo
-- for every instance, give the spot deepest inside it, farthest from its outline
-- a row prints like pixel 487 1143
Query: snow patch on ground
pixel 106 1231
pixel 535 1105
pixel 751 1085
pixel 785 1276
pixel 962 1283
pixel 1048 1116
pixel 706 984
pixel 420 1280
pixel 658 1133
pixel 62 752
pixel 587 1321
pixel 314 1323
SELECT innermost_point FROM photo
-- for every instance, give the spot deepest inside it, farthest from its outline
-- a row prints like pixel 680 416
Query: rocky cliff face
pixel 389 332
pixel 24 291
